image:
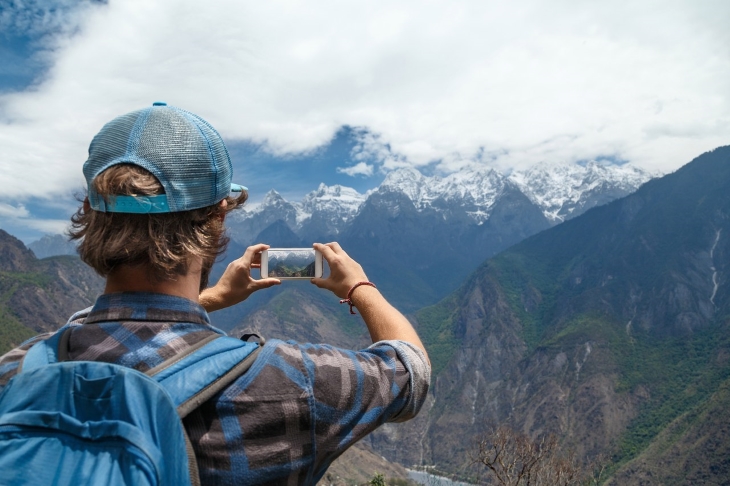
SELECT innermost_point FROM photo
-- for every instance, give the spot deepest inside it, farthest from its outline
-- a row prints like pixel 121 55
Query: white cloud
pixel 9 211
pixel 48 226
pixel 42 17
pixel 504 83
pixel 361 168
pixel 14 217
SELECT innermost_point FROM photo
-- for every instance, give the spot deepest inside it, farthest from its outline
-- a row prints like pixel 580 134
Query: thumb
pixel 265 283
pixel 320 282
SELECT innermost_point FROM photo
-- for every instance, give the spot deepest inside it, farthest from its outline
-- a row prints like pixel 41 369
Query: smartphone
pixel 291 263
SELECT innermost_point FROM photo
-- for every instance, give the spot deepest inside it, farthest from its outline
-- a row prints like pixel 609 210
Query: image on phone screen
pixel 291 263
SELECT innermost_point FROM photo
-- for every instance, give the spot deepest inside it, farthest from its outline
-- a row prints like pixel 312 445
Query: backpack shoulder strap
pixel 193 377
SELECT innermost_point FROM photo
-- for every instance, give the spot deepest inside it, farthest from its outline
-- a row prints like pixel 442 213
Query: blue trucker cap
pixel 184 152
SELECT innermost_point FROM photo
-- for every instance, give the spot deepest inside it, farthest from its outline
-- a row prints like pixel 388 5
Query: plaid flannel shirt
pixel 283 422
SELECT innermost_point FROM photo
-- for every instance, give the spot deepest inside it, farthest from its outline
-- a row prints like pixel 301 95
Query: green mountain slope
pixel 605 329
pixel 39 295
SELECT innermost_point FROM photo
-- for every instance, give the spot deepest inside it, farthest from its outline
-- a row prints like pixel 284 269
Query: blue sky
pixel 343 92
pixel 297 174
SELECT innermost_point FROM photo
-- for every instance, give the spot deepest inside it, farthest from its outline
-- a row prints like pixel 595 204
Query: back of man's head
pixel 156 181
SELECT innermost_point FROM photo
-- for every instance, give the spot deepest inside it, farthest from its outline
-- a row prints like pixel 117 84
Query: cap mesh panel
pixel 182 150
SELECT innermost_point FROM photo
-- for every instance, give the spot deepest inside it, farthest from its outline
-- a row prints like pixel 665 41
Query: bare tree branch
pixel 515 459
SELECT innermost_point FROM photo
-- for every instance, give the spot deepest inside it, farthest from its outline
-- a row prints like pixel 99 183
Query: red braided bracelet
pixel 348 300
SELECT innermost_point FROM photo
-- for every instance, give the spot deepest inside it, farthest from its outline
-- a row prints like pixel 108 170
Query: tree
pixel 378 480
pixel 514 459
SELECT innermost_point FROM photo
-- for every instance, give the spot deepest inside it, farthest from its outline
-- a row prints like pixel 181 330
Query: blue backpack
pixel 71 423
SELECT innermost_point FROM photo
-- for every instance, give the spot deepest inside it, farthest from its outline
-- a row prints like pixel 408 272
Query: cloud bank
pixel 453 83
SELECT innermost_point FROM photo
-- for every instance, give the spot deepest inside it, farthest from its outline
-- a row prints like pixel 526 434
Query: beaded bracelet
pixel 348 300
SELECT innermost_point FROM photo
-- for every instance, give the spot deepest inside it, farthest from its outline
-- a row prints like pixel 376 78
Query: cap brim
pixel 237 190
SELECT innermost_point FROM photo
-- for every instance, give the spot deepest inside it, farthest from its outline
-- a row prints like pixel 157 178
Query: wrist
pixel 356 286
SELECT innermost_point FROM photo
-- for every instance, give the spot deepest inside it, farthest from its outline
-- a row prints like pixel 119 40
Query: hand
pixel 344 271
pixel 237 284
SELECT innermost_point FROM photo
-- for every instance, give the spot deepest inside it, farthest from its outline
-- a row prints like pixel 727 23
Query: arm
pixel 384 322
pixel 237 284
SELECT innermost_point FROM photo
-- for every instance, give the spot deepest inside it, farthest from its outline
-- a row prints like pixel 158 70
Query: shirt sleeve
pixel 354 392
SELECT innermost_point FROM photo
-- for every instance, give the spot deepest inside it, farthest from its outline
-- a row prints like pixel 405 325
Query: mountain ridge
pixel 561 191
pixel 602 330
pixel 39 295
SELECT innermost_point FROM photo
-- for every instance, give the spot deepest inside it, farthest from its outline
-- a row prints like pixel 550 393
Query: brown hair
pixel 165 242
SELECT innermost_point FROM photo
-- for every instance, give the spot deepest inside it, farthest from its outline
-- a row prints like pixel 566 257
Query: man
pixel 159 189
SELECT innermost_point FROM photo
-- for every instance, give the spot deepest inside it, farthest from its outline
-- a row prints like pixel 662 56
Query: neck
pixel 136 279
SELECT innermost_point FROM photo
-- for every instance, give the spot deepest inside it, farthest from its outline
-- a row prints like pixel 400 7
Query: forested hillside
pixel 39 295
pixel 611 330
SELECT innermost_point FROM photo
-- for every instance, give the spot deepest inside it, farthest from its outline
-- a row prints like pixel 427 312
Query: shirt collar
pixel 145 306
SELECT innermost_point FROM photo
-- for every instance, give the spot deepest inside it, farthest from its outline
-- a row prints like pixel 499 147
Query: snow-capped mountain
pixel 475 191
pixel 323 212
pixel 564 190
pixel 338 202
pixel 560 190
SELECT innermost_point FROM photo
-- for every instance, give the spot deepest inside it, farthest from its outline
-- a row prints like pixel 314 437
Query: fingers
pixel 253 253
pixel 344 271
pixel 327 252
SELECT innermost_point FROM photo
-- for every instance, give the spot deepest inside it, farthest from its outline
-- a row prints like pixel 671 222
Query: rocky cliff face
pixel 14 256
pixel 39 295
pixel 609 330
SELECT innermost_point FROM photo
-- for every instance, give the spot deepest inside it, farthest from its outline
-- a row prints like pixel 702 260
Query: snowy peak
pixel 273 199
pixel 328 207
pixel 565 190
pixel 409 181
pixel 560 190
pixel 343 200
pixel 475 190
pixel 479 186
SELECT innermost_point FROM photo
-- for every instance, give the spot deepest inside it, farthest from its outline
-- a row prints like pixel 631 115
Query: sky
pixel 343 92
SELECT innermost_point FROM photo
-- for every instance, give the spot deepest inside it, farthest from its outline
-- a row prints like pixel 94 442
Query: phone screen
pixel 291 263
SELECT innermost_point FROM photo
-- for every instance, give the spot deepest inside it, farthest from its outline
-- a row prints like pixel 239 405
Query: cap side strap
pixel 138 204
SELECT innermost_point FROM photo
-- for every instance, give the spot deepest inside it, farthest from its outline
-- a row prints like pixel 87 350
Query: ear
pixel 223 205
pixel 87 205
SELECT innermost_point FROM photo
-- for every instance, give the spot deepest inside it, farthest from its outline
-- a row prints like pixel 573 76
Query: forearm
pixel 384 322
